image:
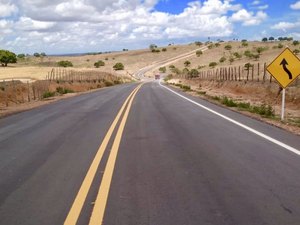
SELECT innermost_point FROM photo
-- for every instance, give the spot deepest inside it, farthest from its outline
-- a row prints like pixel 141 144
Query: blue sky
pixel 61 26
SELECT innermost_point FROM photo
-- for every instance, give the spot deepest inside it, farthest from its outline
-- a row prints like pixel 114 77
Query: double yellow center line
pixel 101 200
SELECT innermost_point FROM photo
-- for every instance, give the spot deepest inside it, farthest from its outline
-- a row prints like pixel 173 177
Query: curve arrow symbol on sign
pixel 284 63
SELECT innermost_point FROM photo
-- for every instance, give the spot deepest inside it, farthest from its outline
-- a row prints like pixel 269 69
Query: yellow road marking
pixel 76 208
pixel 101 200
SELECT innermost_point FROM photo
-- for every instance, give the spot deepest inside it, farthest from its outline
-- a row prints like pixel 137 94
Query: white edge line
pixel 294 150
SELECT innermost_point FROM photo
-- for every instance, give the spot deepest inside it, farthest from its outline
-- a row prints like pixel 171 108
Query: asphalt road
pixel 175 163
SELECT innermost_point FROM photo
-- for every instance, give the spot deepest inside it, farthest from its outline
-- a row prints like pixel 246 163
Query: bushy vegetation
pixel 7 57
pixel 162 69
pixel 63 91
pixel 228 47
pixel 99 63
pixel 48 94
pixel 65 63
pixel 212 64
pixel 118 66
pixel 187 63
pixel 199 53
pixel 198 43
pixel 222 59
pixel 164 49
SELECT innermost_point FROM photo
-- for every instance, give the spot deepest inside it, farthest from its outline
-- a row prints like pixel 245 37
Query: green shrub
pixel 187 63
pixel 243 105
pixel 63 91
pixel 65 63
pixel 245 44
pixel 210 46
pixel 296 51
pixel 228 47
pixel 193 73
pixel 222 59
pixel 48 94
pixel 164 49
pixel 280 45
pixel 162 69
pixel 264 110
pixel 118 66
pixel 99 63
pixel 212 64
pixel 228 102
pixel 198 53
pixel 217 44
pixel 186 87
pixel 237 55
pixel 108 83
pixel 295 43
pixel 201 92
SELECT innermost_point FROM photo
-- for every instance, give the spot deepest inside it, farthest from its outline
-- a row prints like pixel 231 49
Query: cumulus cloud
pixel 248 18
pixel 295 6
pixel 59 25
pixel 284 26
pixel 7 9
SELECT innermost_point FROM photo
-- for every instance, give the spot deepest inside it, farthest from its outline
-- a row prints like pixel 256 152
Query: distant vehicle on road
pixel 157 76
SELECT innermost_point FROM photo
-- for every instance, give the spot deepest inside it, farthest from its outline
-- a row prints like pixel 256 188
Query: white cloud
pixel 263 7
pixel 284 26
pixel 58 25
pixel 28 24
pixel 248 18
pixel 7 9
pixel 295 6
pixel 256 2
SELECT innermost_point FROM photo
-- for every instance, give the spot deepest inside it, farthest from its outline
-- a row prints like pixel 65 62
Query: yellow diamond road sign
pixel 285 68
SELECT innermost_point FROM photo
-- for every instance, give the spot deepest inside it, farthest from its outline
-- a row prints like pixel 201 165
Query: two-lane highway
pixel 166 161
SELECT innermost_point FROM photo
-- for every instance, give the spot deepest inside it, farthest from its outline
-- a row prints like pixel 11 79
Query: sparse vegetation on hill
pixel 118 66
pixel 65 63
pixel 99 63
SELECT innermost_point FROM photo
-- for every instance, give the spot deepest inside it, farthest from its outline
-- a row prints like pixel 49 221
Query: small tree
pixel 198 53
pixel 118 66
pixel 280 45
pixel 198 43
pixel 164 49
pixel 259 50
pixel 193 73
pixel 256 56
pixel 228 47
pixel 248 54
pixel 187 63
pixel 271 38
pixel 21 56
pixel 212 64
pixel 245 44
pixel 264 39
pixel 295 43
pixel 99 63
pixel 231 60
pixel 36 54
pixel 296 51
pixel 237 55
pixel 43 54
pixel 152 47
pixel 222 59
pixel 7 57
pixel 162 69
pixel 217 44
pixel 65 63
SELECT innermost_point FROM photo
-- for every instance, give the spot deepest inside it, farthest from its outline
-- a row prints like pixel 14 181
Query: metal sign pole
pixel 283 104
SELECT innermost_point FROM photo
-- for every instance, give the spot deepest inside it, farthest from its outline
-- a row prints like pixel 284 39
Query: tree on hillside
pixel 7 57
pixel 264 39
pixel 271 38
pixel 118 66
pixel 187 63
pixel 36 54
pixel 99 63
pixel 152 47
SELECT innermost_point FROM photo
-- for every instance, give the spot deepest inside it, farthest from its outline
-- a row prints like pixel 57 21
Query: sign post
pixel 283 104
pixel 285 69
